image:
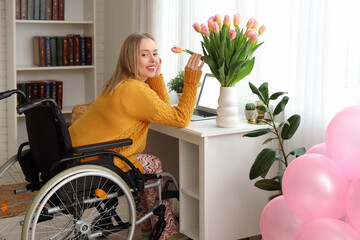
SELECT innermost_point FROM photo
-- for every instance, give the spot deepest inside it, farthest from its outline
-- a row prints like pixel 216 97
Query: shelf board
pixel 191 191
pixel 191 232
pixel 54 22
pixel 36 68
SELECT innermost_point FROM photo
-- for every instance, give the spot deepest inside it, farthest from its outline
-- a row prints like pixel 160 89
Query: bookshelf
pixel 79 82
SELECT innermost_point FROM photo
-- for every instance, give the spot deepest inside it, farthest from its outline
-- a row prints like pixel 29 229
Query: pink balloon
pixel 319 149
pixel 352 204
pixel 278 222
pixel 315 187
pixel 327 229
pixel 342 138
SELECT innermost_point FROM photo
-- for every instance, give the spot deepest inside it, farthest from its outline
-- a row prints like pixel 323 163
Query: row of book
pixel 40 9
pixel 62 50
pixel 42 89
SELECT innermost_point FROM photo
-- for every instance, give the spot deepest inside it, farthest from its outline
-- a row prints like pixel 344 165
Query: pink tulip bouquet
pixel 228 52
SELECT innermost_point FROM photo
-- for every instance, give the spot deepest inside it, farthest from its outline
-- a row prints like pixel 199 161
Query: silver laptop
pixel 207 104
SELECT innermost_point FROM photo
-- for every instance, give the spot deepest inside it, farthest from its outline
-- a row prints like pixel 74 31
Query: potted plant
pixel 250 112
pixel 229 53
pixel 177 83
pixel 281 133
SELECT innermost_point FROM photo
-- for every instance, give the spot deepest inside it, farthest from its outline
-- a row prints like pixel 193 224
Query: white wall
pixel 3 115
pixel 117 24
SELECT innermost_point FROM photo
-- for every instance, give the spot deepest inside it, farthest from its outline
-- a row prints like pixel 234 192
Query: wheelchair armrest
pixel 101 146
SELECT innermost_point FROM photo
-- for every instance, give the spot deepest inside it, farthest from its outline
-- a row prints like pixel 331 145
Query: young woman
pixel 131 99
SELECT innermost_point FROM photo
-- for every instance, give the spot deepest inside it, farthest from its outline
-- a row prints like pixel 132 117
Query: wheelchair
pixel 64 197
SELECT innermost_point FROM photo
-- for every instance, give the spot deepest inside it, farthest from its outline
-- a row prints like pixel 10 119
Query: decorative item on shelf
pixel 177 83
pixel 260 113
pixel 251 113
pixel 283 131
pixel 230 56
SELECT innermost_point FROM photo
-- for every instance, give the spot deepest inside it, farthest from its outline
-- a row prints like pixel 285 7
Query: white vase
pixel 227 110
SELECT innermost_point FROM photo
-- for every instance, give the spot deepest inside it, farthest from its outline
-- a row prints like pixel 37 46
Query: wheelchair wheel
pixel 13 206
pixel 83 202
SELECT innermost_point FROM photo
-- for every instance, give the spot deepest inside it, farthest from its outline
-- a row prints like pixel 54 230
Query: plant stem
pixel 278 137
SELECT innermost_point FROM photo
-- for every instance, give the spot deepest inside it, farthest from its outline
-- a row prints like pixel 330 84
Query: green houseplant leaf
pixel 289 130
pixel 257 132
pixel 268 185
pixel 262 163
pixel 281 105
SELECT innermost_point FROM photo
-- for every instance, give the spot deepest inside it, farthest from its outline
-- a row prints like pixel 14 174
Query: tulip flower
pixel 232 34
pixel 197 27
pixel 262 29
pixel 254 38
pixel 227 21
pixel 210 23
pixel 255 25
pixel 205 30
pixel 217 18
pixel 176 49
pixel 215 27
pixel 236 21
pixel 250 23
pixel 249 32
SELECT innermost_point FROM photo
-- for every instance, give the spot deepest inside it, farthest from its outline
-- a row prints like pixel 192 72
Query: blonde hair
pixel 127 63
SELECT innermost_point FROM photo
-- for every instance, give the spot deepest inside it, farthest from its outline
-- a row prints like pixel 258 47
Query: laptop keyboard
pixel 203 113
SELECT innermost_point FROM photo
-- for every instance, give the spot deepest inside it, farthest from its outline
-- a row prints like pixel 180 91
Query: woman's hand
pixel 158 69
pixel 193 63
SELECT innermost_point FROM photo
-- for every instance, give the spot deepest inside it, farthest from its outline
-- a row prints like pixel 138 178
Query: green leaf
pixel 256 91
pixel 264 89
pixel 262 163
pixel 298 152
pixel 281 105
pixel 268 185
pixel 257 132
pixel 243 72
pixel 269 140
pixel 289 130
pixel 284 123
pixel 274 96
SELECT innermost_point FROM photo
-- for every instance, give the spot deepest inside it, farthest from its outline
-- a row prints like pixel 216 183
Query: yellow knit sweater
pixel 128 111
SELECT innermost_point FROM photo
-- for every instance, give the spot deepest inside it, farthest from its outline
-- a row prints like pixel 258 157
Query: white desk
pixel 217 199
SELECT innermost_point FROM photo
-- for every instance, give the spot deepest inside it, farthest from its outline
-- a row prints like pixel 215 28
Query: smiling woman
pixel 133 97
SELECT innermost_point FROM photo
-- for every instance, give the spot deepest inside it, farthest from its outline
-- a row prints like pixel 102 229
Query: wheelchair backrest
pixel 48 136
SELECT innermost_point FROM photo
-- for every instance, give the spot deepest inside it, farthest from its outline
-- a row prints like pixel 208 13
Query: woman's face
pixel 148 60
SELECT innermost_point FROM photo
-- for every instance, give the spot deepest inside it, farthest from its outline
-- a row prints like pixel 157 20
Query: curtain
pixel 311 50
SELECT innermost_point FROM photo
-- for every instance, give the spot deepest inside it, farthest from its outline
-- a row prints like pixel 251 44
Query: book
pixel 88 41
pixel 30 9
pixel 76 49
pixel 59 51
pixel 39 50
pixel 17 9
pixel 42 9
pixel 55 9
pixel 28 86
pixel 59 94
pixel 48 9
pixel 70 49
pixel 65 52
pixel 82 51
pixel 35 90
pixel 61 9
pixel 23 9
pixel 53 51
pixel 36 50
pixel 36 9
pixel 41 89
pixel 47 52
